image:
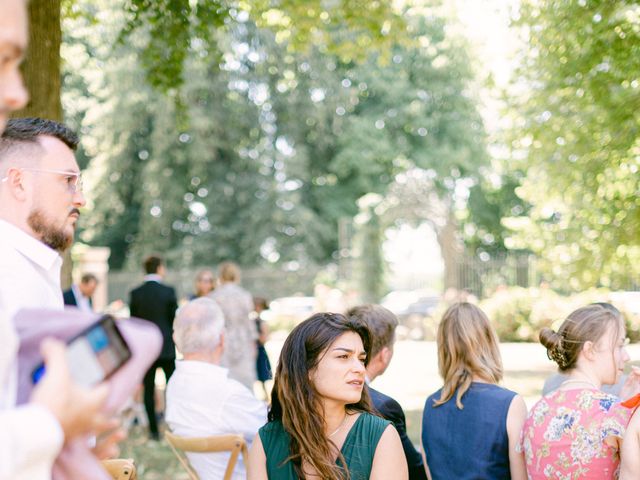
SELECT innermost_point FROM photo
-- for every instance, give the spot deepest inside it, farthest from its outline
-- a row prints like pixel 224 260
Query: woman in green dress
pixel 320 422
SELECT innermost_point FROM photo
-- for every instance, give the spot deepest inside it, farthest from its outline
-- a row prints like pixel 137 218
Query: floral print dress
pixel 571 434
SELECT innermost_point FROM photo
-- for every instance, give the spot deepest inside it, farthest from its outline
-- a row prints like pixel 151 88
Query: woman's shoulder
pixel 363 438
pixel 562 411
pixel 370 425
pixel 581 398
pixel 478 393
pixel 580 405
pixel 271 430
pixel 274 438
pixel 272 426
pixel 493 390
pixel 433 397
pixel 373 420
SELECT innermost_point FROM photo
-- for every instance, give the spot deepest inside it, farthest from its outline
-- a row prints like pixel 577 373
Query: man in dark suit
pixel 382 324
pixel 157 303
pixel 80 295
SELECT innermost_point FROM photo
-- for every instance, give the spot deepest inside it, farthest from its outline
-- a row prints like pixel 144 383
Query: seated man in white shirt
pixel 201 399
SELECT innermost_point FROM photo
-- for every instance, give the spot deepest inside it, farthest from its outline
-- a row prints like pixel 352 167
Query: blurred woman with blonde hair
pixel 471 426
pixel 240 349
pixel 205 283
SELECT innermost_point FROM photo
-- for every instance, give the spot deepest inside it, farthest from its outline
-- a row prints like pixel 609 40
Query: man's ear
pixel 377 362
pixel 13 181
pixel 386 354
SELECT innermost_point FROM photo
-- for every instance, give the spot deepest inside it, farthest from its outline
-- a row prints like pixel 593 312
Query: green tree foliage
pixel 416 128
pixel 175 28
pixel 577 134
pixel 489 202
pixel 266 149
pixel 112 110
pixel 201 180
pixel 177 178
pixel 370 122
pixel 416 112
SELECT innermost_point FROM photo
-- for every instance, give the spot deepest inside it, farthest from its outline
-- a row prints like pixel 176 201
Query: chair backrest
pixel 233 443
pixel 120 468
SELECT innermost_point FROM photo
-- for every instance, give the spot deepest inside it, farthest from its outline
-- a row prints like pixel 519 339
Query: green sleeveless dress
pixel 358 449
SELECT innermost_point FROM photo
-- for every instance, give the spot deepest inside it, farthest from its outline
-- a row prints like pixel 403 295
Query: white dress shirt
pixel 201 401
pixel 30 437
pixel 82 303
pixel 153 277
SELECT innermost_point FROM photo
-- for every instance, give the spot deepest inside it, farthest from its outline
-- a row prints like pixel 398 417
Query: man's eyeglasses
pixel 74 180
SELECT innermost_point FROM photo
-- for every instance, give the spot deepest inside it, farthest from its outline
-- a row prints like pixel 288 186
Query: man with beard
pixel 40 197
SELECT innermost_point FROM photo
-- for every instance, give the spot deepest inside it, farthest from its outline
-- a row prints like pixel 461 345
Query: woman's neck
pixel 479 379
pixel 579 374
pixel 334 416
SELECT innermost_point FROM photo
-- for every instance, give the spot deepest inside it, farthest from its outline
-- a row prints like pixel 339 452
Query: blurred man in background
pixel 80 295
pixel 156 302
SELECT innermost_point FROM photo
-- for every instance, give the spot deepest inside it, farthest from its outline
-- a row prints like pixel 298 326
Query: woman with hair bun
pixel 575 431
pixel 320 422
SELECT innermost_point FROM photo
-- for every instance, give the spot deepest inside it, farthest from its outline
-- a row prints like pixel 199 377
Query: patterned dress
pixel 570 434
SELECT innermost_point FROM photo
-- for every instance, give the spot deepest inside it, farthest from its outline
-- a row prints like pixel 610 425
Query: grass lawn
pixel 154 460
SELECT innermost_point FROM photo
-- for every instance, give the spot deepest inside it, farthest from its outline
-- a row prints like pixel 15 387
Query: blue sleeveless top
pixel 472 443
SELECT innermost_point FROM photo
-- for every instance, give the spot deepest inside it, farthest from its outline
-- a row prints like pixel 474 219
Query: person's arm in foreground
pixel 426 467
pixel 389 460
pixel 631 385
pixel 630 453
pixel 515 420
pixel 257 464
pixel 32 435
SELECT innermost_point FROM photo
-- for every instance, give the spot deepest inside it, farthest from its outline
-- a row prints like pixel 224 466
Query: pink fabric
pixel 76 462
pixel 572 434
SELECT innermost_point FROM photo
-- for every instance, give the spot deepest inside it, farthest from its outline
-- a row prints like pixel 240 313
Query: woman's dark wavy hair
pixel 295 401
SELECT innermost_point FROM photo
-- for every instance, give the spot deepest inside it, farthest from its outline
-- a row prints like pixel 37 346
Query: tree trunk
pixel 451 250
pixel 41 68
pixel 42 77
pixel 371 259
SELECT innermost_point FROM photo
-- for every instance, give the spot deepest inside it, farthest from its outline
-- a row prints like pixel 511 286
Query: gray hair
pixel 198 326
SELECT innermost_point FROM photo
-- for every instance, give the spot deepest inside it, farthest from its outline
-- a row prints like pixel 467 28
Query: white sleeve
pixel 30 441
pixel 245 414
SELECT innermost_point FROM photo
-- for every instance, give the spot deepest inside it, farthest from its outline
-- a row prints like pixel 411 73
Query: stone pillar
pixel 92 260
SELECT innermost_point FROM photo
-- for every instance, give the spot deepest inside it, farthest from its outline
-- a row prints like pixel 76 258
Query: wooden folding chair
pixel 120 468
pixel 233 443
